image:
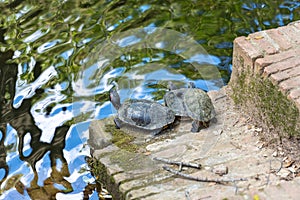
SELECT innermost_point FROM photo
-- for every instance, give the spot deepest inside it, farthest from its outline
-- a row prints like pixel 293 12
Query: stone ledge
pixel 231 141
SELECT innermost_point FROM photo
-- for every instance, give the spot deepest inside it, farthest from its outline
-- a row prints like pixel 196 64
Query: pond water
pixel 59 59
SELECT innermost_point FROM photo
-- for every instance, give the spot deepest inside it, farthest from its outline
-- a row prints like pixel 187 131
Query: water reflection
pixel 196 64
pixel 32 159
pixel 58 59
pixel 23 143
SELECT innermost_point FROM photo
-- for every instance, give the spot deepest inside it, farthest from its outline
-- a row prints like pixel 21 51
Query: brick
pixel 285 64
pixel 260 41
pixel 292 33
pixel 280 39
pixel 296 24
pixel 244 54
pixel 298 103
pixel 295 94
pixel 246 48
pixel 261 63
pixel 286 74
pixel 289 84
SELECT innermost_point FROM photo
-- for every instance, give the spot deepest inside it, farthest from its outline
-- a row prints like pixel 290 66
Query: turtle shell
pixel 190 102
pixel 145 114
pixel 198 105
pixel 174 99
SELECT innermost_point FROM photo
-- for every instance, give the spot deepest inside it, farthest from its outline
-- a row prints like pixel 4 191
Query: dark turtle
pixel 191 102
pixel 144 115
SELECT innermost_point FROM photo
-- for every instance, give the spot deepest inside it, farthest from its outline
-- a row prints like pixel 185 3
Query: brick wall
pixel 265 80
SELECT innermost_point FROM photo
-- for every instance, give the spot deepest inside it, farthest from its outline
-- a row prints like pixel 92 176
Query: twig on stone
pixel 281 164
pixel 236 145
pixel 180 164
pixel 236 188
pixel 235 122
pixel 272 170
pixel 269 174
pixel 187 176
pixel 206 197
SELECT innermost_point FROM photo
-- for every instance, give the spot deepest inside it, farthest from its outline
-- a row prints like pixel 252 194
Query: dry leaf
pixel 259 37
pixel 288 163
pixel 147 153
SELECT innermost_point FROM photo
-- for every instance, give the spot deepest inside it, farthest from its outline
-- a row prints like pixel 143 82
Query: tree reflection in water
pixel 22 121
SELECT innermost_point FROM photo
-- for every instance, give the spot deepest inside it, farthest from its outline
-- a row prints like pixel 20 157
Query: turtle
pixel 191 102
pixel 140 114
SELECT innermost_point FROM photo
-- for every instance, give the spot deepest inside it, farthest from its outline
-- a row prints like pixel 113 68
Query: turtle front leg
pixel 117 122
pixel 198 125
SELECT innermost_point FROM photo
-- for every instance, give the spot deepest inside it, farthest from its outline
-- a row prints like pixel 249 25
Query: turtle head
pixel 192 85
pixel 114 98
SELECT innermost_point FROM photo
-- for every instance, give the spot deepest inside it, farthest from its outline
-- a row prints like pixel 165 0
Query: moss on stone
pixel 267 105
pixel 99 171
pixel 280 111
pixel 121 139
pixel 127 142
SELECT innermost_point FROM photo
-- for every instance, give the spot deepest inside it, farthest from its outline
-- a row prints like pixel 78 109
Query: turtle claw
pixel 117 123
pixel 194 130
pixel 195 126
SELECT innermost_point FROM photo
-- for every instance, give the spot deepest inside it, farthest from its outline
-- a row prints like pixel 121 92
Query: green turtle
pixel 141 114
pixel 191 102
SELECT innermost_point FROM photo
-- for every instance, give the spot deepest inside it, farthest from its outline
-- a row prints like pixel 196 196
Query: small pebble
pixel 258 129
pixel 292 169
pixel 220 170
pixel 283 173
pixel 218 132
pixel 275 154
pixel 260 146
pixel 207 168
